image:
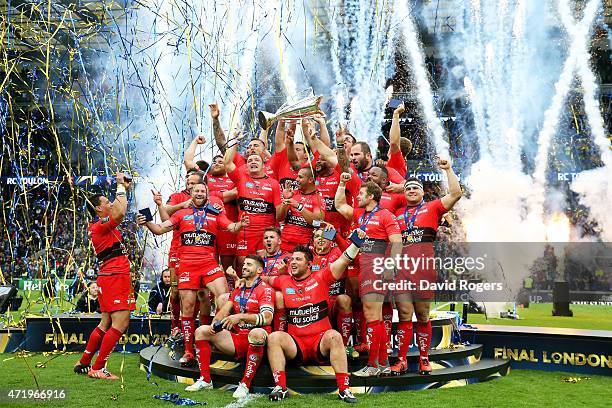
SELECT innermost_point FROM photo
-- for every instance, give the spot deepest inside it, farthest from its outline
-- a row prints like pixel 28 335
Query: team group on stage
pixel 280 246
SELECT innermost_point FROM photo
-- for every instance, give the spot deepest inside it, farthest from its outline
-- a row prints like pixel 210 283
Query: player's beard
pixel 200 202
pixel 360 165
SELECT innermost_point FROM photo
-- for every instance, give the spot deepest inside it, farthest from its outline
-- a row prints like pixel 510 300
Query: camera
pixel 147 214
pixel 329 234
pixel 394 103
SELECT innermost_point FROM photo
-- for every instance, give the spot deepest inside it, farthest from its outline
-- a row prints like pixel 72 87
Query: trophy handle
pixel 266 119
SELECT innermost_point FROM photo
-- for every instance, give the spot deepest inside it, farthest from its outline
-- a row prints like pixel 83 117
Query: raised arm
pixel 230 153
pixel 338 267
pixel 343 159
pixel 340 198
pixel 218 132
pixel 263 136
pixel 454 188
pixel 324 151
pixel 279 136
pixel 292 158
pixel 323 133
pixel 119 206
pixel 166 211
pixel 189 160
pixel 395 132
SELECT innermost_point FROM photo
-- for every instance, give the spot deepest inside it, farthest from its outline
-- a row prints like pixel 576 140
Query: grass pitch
pixel 590 317
pixel 522 388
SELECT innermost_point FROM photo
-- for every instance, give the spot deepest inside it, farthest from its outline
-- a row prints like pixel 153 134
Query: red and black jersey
pixel 108 244
pixel 257 198
pixel 174 199
pixel 321 262
pixel 198 230
pixel 296 229
pixel 221 185
pixel 425 224
pixel 379 225
pixel 258 298
pixel 392 201
pixel 283 172
pixel 240 163
pixel 271 263
pixel 397 162
pixel 327 186
pixel 306 302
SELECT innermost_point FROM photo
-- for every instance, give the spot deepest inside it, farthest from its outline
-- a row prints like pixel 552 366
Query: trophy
pixel 307 106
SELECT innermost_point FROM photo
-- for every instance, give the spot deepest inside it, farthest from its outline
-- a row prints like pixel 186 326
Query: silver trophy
pixel 304 107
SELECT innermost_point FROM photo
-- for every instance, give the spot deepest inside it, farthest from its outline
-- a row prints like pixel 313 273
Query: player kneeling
pixel 309 336
pixel 246 319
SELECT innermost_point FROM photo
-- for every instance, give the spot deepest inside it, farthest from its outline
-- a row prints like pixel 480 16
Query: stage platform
pixel 545 348
pixel 460 366
pixel 453 365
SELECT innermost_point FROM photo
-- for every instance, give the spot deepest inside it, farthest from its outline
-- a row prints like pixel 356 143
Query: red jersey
pixel 108 244
pixel 258 298
pixel 327 186
pixel 392 201
pixel 306 302
pixel 271 263
pixel 379 225
pixel 397 163
pixel 174 199
pixel 221 185
pixel 240 163
pixel 198 242
pixel 320 262
pixel 257 198
pixel 282 169
pixel 296 229
pixel 425 224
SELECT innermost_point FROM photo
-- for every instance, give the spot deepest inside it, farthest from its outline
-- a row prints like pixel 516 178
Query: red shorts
pixel 422 277
pixel 422 281
pixel 197 276
pixel 241 344
pixel 116 292
pixel 352 271
pixel 226 243
pixel 308 348
pixel 173 259
pixel 289 246
pixel 333 312
pixel 249 242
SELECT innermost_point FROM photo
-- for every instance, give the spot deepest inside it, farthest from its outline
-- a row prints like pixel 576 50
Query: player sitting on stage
pixel 246 318
pixel 309 336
